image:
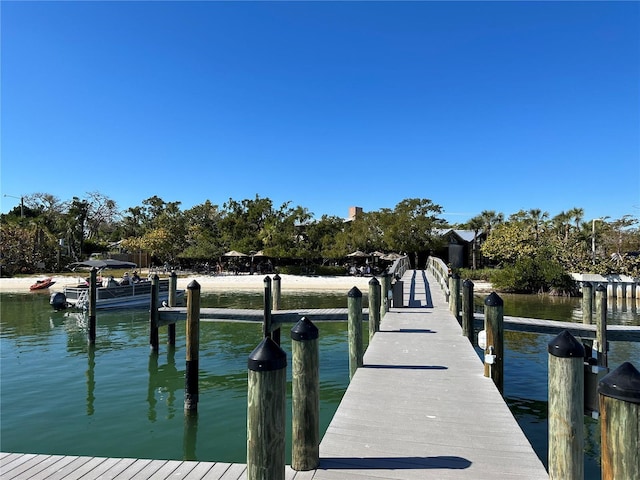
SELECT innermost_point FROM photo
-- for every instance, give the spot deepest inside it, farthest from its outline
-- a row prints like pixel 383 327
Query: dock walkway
pixel 419 408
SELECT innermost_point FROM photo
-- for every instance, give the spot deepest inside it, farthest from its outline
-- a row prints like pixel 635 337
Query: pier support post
pixel 454 298
pixel 494 328
pixel 355 330
pixel 305 393
pixel 266 403
pixel 374 307
pixel 467 310
pixel 154 340
pixel 93 297
pixel 191 390
pixel 600 343
pixel 384 294
pixel 587 302
pixel 566 408
pixel 619 394
pixel 172 301
pixel 276 292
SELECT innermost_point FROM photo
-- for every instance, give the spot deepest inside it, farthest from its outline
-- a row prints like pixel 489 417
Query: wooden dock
pixel 419 408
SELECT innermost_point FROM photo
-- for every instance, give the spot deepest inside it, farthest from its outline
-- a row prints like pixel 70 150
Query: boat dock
pixel 419 408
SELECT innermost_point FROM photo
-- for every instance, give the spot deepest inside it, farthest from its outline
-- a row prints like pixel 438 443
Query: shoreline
pixel 211 283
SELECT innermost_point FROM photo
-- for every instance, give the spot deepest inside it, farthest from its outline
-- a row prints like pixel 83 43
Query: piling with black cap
pixel 266 403
pixel 93 297
pixel 566 408
pixel 354 321
pixel 305 392
pixel 374 306
pixel 619 394
pixel 494 328
pixel 154 339
pixel 191 389
pixel 266 322
pixel 276 292
pixel 467 309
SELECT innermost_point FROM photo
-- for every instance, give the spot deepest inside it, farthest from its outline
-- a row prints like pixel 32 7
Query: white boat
pixel 120 296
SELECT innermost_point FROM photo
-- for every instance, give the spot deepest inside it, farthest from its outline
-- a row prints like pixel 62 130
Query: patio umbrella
pixel 234 253
pixel 358 254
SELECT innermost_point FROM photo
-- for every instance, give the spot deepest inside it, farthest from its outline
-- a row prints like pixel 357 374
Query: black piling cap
pixel 467 283
pixel 354 292
pixel 374 281
pixel 193 285
pixel 304 330
pixel 493 300
pixel 566 345
pixel 456 276
pixel 601 288
pixel 267 356
pixel 622 384
pixel 276 277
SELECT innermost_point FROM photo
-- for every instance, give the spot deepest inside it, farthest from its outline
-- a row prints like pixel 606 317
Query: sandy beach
pixel 209 283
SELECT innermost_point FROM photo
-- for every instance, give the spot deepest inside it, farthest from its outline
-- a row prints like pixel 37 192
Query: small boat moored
pixel 42 284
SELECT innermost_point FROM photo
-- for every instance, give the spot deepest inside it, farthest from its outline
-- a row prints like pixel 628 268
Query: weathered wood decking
pixel 419 408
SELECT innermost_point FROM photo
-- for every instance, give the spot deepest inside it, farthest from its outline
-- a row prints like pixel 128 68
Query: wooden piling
pixel 494 328
pixel 305 393
pixel 277 292
pixel 266 403
pixel 566 408
pixel 385 280
pixel 172 302
pixel 600 343
pixel 374 306
pixel 154 339
pixel 454 298
pixel 619 394
pixel 467 310
pixel 191 389
pixel 93 297
pixel 587 302
pixel 354 321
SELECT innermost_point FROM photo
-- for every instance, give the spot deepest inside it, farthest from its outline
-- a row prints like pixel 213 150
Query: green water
pixel 59 396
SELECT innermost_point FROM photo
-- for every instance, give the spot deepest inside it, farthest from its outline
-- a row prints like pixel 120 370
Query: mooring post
pixel 305 393
pixel 467 309
pixel 154 340
pixel 454 298
pixel 354 302
pixel 566 408
pixel 587 302
pixel 277 292
pixel 172 301
pixel 494 328
pixel 374 306
pixel 619 393
pixel 93 297
pixel 266 403
pixel 384 294
pixel 600 344
pixel 191 391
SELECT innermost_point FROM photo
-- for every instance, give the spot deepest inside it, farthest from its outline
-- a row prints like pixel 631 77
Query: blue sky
pixel 475 105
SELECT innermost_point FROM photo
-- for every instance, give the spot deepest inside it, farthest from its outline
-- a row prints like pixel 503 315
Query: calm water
pixel 59 396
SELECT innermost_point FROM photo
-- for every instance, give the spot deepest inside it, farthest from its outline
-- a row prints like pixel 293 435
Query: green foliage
pixel 534 274
pixel 484 274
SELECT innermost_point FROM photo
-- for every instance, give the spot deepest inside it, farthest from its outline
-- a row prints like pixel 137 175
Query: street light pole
pixel 21 203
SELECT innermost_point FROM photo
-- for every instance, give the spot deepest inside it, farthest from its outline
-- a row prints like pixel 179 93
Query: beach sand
pixel 209 283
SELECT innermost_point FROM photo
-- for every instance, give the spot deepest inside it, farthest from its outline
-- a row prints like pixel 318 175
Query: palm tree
pixel 490 219
pixel 537 218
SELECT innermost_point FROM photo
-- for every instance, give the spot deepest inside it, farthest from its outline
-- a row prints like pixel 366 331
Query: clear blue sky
pixel 475 105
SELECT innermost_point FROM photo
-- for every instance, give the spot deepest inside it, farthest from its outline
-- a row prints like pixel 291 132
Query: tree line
pixel 45 233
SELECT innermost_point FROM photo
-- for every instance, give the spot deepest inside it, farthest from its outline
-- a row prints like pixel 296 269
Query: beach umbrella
pixel 358 254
